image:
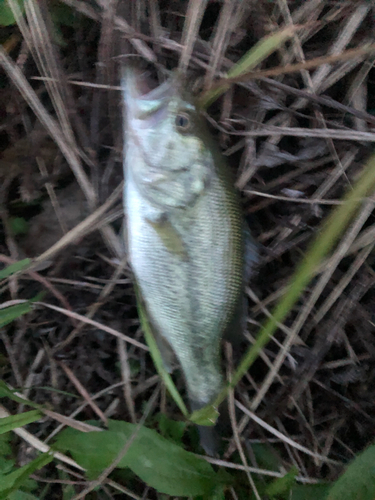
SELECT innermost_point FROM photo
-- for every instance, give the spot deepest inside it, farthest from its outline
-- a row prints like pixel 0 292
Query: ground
pixel 297 130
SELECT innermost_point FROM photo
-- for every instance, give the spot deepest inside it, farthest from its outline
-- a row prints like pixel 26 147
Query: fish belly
pixel 190 301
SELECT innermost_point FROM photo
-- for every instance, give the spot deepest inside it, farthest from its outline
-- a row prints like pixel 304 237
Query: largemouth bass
pixel 186 237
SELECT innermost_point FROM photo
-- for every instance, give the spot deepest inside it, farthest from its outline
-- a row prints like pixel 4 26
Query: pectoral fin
pixel 170 237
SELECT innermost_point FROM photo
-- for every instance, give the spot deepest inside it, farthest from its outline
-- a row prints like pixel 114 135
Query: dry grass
pixel 296 135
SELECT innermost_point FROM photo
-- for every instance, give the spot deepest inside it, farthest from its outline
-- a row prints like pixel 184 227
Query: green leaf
pixel 6 14
pixel 171 429
pixel 18 225
pixel 14 268
pixel 11 482
pixel 9 314
pixel 358 481
pixel 161 464
pixel 6 466
pixel 310 492
pixel 265 456
pixel 5 447
pixel 29 485
pixel 282 485
pixel 15 421
pixel 168 468
pixel 217 494
pixel 22 495
pixel 250 60
pixel 5 392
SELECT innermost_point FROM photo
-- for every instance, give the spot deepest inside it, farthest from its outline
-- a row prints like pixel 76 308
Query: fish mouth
pixel 137 85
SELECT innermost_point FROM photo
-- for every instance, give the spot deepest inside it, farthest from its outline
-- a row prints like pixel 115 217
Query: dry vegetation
pixel 296 139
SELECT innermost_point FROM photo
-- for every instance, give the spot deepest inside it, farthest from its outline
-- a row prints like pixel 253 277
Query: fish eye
pixel 183 122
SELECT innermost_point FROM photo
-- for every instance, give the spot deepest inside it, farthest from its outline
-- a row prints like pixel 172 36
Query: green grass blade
pixel 249 61
pixel 9 314
pixel 5 392
pixel 15 421
pixel 11 482
pixel 329 235
pixel 14 268
pixel 156 356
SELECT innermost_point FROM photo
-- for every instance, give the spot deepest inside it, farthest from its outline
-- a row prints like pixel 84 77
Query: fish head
pixel 168 157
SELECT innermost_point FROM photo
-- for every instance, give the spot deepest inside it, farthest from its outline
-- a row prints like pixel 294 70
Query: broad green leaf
pixel 265 456
pixel 282 485
pixel 29 485
pixel 250 60
pixel 156 356
pixel 6 466
pixel 6 14
pixel 358 481
pixel 161 464
pixel 15 421
pixel 171 429
pixel 5 446
pixel 22 495
pixel 14 268
pixel 168 468
pixel 9 314
pixel 309 492
pixel 217 494
pixel 11 482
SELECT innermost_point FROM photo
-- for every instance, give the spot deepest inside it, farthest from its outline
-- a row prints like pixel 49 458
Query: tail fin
pixel 208 436
pixel 209 440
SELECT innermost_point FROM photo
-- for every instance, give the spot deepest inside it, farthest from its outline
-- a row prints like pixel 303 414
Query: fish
pixel 187 242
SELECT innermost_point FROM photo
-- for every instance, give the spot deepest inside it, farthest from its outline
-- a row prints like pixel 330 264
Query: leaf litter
pixel 287 127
